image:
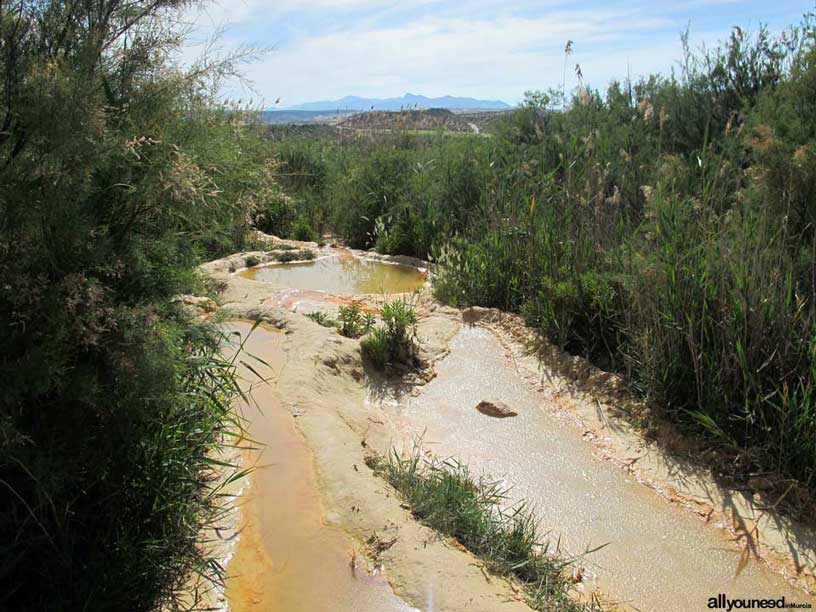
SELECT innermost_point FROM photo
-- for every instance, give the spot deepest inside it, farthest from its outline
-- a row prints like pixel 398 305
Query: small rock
pixel 499 410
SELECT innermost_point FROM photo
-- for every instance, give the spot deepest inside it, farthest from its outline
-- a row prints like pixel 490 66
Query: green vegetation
pixel 369 321
pixel 321 318
pixel 395 343
pixel 354 322
pixel 446 497
pixel 278 255
pixel 351 321
pixel 376 348
pixel 289 255
pixel 663 229
pixel 118 175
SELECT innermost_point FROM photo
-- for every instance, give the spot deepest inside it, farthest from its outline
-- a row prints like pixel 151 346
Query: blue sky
pixel 495 49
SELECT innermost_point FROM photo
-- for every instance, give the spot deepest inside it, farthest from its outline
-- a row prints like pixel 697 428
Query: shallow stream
pixel 656 557
pixel 287 559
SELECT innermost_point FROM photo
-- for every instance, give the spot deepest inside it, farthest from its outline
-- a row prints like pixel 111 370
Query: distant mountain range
pixel 354 103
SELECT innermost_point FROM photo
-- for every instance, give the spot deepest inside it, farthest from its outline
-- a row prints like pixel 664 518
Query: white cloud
pixel 485 48
pixel 483 58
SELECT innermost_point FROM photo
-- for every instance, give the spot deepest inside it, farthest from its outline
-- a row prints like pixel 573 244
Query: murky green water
pixel 341 275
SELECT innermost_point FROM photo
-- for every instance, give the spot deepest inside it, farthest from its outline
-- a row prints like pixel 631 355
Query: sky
pixel 487 49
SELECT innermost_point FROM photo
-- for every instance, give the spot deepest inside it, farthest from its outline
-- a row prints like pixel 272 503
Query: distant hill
pixel 406 102
pixel 430 119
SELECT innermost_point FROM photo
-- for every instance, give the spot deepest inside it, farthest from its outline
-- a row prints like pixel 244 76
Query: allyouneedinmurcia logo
pixel 722 602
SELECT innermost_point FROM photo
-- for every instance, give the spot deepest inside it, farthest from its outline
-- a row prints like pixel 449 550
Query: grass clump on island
pixel 395 342
pixel 289 255
pixel 446 497
pixel 280 256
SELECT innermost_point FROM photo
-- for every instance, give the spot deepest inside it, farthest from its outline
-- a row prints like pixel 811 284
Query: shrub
pixel 365 194
pixel 288 256
pixel 583 315
pixel 303 230
pixel 400 320
pixel 274 213
pixel 251 261
pixel 395 343
pixel 369 321
pixel 376 348
pixel 351 321
pixel 321 318
pixel 119 175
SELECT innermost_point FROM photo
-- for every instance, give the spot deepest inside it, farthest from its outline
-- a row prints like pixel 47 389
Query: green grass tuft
pixel 395 343
pixel 321 318
pixel 445 496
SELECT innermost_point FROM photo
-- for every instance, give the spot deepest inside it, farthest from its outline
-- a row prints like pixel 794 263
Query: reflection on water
pixel 341 274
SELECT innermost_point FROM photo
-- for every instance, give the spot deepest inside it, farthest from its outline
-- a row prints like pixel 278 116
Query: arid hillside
pixel 431 119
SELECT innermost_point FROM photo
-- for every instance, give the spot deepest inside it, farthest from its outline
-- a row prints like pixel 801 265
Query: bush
pixel 119 176
pixel 400 320
pixel 289 255
pixel 376 348
pixel 321 318
pixel 303 230
pixel 367 192
pixel 351 321
pixel 251 261
pixel 276 215
pixel 396 342
pixel 582 315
